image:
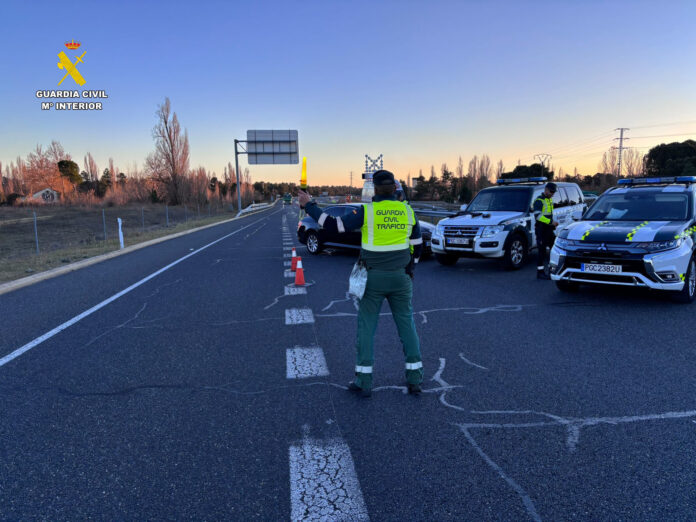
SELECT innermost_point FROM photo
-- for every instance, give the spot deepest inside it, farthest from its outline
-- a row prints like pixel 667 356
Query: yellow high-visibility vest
pixel 387 226
pixel 546 215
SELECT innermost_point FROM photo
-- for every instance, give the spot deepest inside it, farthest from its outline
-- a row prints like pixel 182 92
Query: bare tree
pixel 91 167
pixel 609 163
pixel 632 160
pixel 499 169
pixel 472 173
pixel 169 164
pixel 484 169
pixel 460 169
pixel 42 168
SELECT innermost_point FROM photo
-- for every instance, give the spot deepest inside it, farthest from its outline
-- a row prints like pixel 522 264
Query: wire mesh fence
pixel 42 237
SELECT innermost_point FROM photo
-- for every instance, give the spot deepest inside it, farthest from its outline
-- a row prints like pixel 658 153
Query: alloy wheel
pixel 312 243
pixel 516 252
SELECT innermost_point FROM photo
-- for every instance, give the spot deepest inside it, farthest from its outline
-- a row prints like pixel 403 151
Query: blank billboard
pixel 272 147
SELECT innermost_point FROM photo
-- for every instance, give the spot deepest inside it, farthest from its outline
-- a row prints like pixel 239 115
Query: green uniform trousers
pixel 397 288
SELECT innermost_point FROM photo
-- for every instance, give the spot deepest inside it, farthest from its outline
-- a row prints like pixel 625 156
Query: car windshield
pixel 513 200
pixel 640 205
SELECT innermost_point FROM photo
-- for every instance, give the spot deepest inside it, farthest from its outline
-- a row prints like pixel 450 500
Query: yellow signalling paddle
pixel 303 179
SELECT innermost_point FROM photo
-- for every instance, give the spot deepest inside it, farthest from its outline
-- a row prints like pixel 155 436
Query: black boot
pixel 414 389
pixel 542 275
pixel 357 389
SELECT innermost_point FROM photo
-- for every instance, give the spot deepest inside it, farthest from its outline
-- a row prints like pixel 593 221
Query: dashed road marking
pixel 295 290
pixel 287 263
pixel 323 482
pixel 298 316
pixel 287 254
pixel 289 273
pixel 302 363
pixel 287 248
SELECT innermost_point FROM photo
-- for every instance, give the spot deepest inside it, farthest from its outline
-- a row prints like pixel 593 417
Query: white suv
pixel 499 222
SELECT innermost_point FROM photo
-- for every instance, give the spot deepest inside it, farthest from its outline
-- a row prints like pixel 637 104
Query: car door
pixel 353 237
pixel 575 203
pixel 324 235
pixel 560 206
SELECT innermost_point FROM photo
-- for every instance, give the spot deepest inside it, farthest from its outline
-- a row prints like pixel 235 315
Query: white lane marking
pixel 298 316
pixel 287 254
pixel 287 248
pixel 23 349
pixel 302 363
pixel 289 273
pixel 467 361
pixel 323 482
pixel 287 263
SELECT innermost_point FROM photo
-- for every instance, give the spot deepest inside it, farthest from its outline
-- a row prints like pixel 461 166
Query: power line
pixel 580 143
pixel 665 135
pixel 663 124
pixel 621 147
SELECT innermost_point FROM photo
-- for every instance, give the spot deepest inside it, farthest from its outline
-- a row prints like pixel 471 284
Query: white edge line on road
pixel 16 284
pixel 23 349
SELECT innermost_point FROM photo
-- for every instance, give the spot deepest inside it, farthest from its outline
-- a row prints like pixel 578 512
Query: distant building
pixel 414 183
pixel 47 195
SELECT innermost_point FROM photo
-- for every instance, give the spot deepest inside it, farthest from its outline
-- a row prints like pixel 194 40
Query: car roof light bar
pixel 669 179
pixel 511 181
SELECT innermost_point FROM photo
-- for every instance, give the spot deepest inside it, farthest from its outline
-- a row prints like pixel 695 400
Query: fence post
pixel 36 234
pixel 104 222
pixel 142 215
pixel 120 232
pixel 166 209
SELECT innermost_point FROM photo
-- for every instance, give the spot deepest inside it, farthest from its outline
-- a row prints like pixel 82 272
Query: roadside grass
pixel 69 234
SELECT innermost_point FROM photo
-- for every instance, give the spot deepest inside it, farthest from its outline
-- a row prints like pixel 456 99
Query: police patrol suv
pixel 499 223
pixel 640 233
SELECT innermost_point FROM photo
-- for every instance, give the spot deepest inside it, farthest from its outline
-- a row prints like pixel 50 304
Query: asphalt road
pixel 195 394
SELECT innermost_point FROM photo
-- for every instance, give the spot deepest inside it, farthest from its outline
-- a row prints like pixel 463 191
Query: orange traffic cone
pixel 299 273
pixel 293 264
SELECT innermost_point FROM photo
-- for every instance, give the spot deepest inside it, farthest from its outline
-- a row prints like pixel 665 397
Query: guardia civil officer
pixel 391 246
pixel 544 227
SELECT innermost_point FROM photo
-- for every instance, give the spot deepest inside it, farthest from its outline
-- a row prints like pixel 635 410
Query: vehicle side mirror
pixel 463 207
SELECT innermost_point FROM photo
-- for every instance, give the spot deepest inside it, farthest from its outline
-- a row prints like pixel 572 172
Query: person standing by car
pixel 390 231
pixel 544 226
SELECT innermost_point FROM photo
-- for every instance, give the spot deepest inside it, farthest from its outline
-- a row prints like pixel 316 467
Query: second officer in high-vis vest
pixel 391 246
pixel 544 227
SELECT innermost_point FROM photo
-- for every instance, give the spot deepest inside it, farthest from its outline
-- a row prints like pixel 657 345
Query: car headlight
pixel 490 231
pixel 659 246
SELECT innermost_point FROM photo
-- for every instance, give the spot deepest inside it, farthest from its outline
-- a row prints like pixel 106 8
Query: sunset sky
pixel 420 82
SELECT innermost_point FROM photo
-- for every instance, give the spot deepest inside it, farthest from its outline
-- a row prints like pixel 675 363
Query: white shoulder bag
pixel 358 279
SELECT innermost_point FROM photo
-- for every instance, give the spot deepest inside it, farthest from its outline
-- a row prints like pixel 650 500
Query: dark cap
pixel 382 178
pixel 552 187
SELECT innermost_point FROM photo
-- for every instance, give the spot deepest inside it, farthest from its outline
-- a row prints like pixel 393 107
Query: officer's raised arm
pixel 331 224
